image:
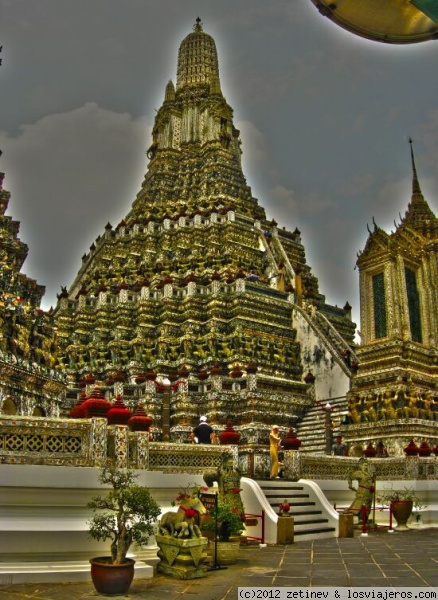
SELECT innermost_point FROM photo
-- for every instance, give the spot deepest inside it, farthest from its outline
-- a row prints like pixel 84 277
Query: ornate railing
pixel 319 466
pixel 92 442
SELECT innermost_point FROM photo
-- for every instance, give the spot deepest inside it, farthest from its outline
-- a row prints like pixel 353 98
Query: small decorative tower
pixel 28 383
pixel 398 369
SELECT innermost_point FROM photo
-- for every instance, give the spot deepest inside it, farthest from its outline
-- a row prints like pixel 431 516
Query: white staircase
pixel 311 429
pixel 313 517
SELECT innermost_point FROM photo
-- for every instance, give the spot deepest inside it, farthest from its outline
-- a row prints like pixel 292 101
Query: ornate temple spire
pixel 195 143
pixel 415 183
pixel 419 215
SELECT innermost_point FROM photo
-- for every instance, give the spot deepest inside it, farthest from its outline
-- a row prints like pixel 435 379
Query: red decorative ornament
pixel 284 508
pixel 229 435
pixel 291 442
pixel 424 449
pixel 309 378
pixel 216 370
pixel 96 404
pixel 190 513
pixel 236 373
pixel 202 375
pixel 370 451
pixel 118 414
pixel 411 449
pixel 77 412
pixel 140 420
pixel 140 379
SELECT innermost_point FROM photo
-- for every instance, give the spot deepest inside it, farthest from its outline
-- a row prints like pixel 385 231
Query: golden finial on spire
pixel 198 25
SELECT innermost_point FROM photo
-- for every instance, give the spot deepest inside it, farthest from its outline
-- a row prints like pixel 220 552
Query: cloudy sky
pixel 325 119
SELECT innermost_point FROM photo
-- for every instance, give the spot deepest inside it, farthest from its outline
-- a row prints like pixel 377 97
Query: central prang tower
pixel 187 305
pixel 195 153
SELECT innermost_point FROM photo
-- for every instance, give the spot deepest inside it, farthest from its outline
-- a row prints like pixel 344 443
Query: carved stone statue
pixel 365 476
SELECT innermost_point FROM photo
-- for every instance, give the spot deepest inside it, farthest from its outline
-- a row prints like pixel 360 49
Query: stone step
pixel 314 533
pixel 300 522
pixel 302 512
pixel 310 429
pixel 290 497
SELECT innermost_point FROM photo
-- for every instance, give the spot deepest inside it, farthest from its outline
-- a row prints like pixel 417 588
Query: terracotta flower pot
pixel 401 510
pixel 109 579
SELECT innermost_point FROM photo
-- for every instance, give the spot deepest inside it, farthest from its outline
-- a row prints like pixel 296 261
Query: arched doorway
pixel 9 407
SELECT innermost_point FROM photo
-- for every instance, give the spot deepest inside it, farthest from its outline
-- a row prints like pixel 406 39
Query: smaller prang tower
pixel 29 385
pixel 394 393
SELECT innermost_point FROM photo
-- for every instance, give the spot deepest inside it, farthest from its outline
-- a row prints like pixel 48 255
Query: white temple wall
pixel 330 380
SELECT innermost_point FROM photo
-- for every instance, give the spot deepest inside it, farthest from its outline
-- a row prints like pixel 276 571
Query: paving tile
pixel 293 572
pixel 281 581
pixel 330 581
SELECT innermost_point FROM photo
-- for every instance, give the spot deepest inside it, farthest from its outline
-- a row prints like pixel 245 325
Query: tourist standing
pixel 339 448
pixel 203 433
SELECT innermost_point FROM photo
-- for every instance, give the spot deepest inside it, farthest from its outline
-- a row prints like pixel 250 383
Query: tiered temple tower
pixel 394 393
pixel 187 305
pixel 28 383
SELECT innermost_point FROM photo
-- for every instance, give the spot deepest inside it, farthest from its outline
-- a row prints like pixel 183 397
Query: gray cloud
pixel 70 173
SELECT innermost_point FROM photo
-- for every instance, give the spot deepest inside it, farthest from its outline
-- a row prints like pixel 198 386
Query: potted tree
pixel 124 515
pixel 401 503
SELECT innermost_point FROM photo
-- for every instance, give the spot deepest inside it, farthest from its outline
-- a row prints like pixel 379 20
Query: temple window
pixel 380 325
pixel 413 305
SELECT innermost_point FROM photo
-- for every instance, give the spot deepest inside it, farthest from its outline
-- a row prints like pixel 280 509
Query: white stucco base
pixel 43 522
pixel 43 517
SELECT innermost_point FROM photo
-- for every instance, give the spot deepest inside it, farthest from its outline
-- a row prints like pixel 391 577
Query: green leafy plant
pixel 230 516
pixel 389 495
pixel 124 515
